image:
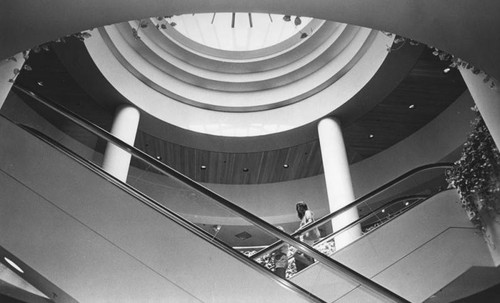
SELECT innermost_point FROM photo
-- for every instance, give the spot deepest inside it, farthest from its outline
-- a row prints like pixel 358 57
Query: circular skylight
pixel 238 31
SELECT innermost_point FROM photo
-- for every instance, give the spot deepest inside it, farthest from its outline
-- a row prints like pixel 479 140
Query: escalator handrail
pixel 355 203
pixel 421 199
pixel 163 210
pixel 347 272
pixel 361 219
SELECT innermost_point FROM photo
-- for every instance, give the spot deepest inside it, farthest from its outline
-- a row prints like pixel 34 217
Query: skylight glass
pixel 239 31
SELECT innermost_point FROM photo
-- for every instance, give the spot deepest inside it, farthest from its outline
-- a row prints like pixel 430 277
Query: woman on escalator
pixel 306 217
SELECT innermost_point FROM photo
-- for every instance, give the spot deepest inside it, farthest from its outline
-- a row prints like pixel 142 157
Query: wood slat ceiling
pixel 426 87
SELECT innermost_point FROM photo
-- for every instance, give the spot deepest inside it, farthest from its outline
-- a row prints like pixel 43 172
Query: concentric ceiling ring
pixel 314 76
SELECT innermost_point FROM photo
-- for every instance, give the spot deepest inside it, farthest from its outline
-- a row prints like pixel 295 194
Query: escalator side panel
pixel 417 253
pixel 99 243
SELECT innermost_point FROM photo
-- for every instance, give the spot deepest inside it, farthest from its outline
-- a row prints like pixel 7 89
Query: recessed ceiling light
pixel 407 203
pixel 245 169
pixel 40 83
pixel 203 167
pixel 411 106
pixel 446 70
pixel 158 158
pixel 285 165
pixel 383 210
pixel 371 136
pixel 13 264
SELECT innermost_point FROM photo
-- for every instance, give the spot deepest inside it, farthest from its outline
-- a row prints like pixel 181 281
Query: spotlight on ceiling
pixel 446 70
pixel 412 106
pixel 285 165
pixel 158 157
pixel 245 169
pixel 371 136
pixel 203 167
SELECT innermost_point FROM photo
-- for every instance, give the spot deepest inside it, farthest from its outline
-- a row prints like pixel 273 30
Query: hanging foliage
pixel 476 174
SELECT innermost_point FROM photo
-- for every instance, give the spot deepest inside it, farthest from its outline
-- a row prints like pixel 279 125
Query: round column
pixel 8 69
pixel 487 100
pixel 116 160
pixel 338 179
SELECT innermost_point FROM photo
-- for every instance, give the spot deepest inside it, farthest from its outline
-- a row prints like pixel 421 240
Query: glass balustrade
pixel 219 219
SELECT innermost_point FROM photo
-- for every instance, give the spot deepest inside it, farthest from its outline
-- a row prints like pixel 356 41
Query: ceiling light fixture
pixel 371 136
pixel 245 169
pixel 158 158
pixel 285 165
pixel 203 167
pixel 446 70
pixel 412 106
pixel 14 265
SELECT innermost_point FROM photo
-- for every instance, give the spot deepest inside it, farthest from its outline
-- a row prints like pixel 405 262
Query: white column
pixel 487 100
pixel 117 161
pixel 338 179
pixel 8 74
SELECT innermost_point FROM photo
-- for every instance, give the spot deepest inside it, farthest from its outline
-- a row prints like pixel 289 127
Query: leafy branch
pixel 162 22
pixel 476 174
pixel 42 47
pixel 454 62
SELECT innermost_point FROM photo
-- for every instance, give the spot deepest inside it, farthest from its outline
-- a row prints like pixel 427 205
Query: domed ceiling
pixel 247 114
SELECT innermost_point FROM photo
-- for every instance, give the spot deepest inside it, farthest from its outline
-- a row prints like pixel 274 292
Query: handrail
pixel 369 215
pixel 347 272
pixel 165 211
pixel 277 244
pixel 355 203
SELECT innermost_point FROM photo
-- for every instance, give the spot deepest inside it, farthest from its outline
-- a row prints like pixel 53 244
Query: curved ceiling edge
pixel 394 68
pixel 300 96
pixel 469 39
pixel 259 64
pixel 248 82
pixel 240 124
pixel 172 34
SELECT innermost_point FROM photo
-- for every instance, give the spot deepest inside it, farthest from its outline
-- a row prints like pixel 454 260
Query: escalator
pixel 83 236
pixel 139 241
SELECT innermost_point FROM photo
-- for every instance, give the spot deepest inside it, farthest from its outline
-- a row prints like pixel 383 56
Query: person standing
pixel 306 217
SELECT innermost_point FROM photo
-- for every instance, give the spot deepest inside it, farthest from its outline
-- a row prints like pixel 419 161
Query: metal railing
pixel 346 272
pixel 355 203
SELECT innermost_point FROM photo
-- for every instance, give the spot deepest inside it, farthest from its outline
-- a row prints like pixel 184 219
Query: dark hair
pixel 301 208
